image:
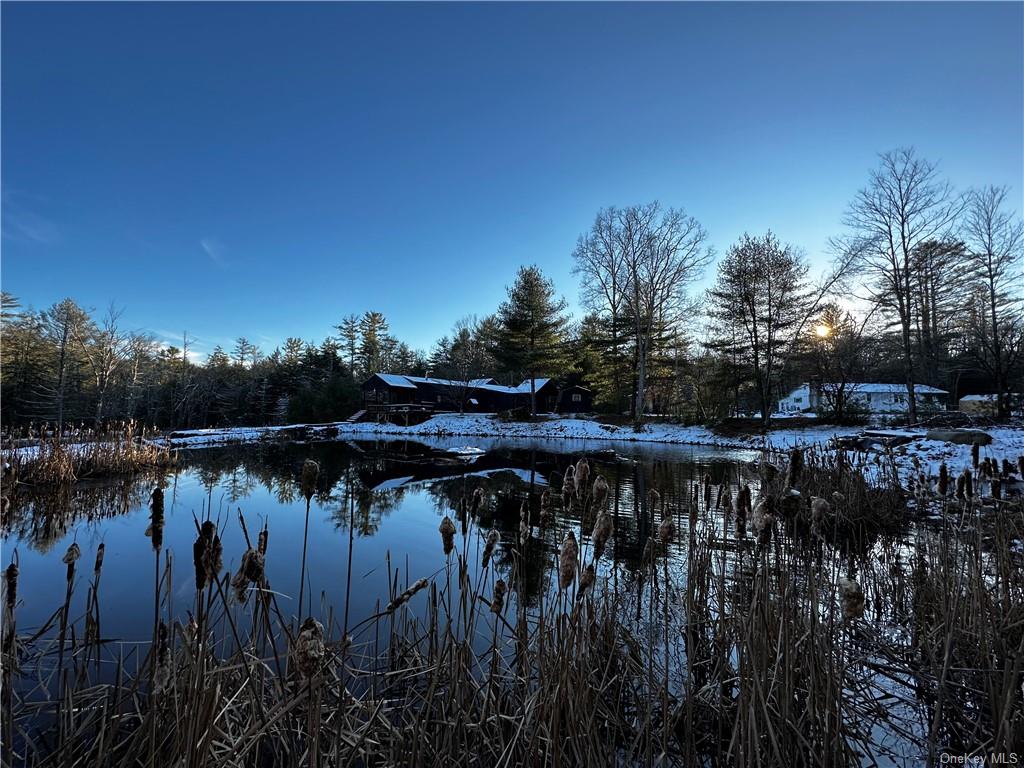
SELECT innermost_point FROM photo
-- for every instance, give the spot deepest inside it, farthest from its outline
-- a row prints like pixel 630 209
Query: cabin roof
pixel 868 387
pixel 394 380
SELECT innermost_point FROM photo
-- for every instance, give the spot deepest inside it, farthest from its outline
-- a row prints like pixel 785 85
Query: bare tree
pixel 663 252
pixel 105 349
pixel 904 205
pixel 995 240
pixel 600 265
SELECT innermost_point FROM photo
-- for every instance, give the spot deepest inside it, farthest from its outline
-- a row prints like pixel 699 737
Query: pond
pixel 373 501
pixel 722 626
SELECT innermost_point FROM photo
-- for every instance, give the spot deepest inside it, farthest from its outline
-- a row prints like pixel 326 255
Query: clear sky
pixel 264 169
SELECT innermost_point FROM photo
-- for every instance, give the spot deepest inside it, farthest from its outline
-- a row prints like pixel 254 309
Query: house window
pixel 577 397
pixel 798 399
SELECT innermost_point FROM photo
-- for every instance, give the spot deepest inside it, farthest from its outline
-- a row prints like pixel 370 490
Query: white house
pixel 875 398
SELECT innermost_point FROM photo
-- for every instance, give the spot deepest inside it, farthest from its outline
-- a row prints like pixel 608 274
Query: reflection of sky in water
pixel 401 520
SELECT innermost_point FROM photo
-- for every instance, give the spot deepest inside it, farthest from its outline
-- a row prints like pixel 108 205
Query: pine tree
pixel 530 329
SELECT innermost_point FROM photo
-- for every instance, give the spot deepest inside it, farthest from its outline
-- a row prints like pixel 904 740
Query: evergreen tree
pixel 530 329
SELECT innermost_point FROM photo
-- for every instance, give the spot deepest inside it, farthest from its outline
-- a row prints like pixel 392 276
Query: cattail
pixel 985 469
pixel 250 571
pixel 447 529
pixel 820 510
pixel 73 553
pixel 762 519
pixel 837 497
pixel 965 485
pixel 795 469
pixel 156 525
pixel 1020 466
pixel 568 484
pixel 100 552
pixel 653 499
pixel 492 541
pixel 975 453
pixel 706 487
pixel 852 598
pixel 1007 468
pixel 547 515
pixel 602 532
pixel 766 471
pixel 743 502
pixel 310 473
pixel 162 669
pixel 478 499
pixel 587 579
pixel 726 497
pixel 262 540
pixel 667 530
pixel 582 476
pixel 498 602
pixel 524 523
pixel 600 492
pixel 404 598
pixel 943 487
pixel 11 583
pixel 156 500
pixel 207 554
pixel 996 486
pixel 309 647
pixel 648 553
pixel 567 561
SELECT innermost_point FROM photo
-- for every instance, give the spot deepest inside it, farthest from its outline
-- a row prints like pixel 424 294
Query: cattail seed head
pixel 602 531
pixel 600 492
pixel 492 541
pixel 156 500
pixel 851 597
pixel 567 561
pixel 820 511
pixel 447 529
pixel 403 598
pixel 795 468
pixel 309 648
pixel 478 499
pixel 1007 468
pixel 975 454
pixel 587 579
pixel 667 530
pixel 74 552
pixel 943 487
pixel 11 586
pixel 250 571
pixel 498 601
pixel 524 523
pixel 310 474
pixel 582 476
pixel 568 483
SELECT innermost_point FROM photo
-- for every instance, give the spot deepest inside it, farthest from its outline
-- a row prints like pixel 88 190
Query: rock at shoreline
pixel 959 436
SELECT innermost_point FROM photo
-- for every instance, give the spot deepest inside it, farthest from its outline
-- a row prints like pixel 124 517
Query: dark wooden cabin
pixel 575 399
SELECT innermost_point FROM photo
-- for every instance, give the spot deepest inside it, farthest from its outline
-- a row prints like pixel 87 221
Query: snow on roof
pixel 979 398
pixel 394 380
pixel 893 388
pixel 525 386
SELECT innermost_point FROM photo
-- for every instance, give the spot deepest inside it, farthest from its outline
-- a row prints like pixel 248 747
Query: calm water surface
pixel 374 501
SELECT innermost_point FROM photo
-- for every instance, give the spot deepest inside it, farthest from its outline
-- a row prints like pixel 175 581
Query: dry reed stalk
pixel 250 571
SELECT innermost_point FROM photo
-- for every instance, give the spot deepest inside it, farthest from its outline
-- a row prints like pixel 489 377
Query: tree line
pixel 922 286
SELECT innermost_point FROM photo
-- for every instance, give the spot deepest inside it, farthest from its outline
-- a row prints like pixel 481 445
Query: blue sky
pixel 265 169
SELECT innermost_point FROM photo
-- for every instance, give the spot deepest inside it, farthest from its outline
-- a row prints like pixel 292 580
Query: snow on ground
pixel 449 431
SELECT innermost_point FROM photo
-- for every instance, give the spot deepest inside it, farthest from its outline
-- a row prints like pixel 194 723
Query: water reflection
pixel 371 501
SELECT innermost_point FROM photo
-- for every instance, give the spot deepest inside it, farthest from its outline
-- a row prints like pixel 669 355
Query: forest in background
pixel 924 287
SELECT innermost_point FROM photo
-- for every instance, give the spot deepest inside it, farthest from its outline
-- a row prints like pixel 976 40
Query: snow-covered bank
pixel 447 430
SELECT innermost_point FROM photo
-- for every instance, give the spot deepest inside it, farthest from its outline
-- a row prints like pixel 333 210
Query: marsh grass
pixel 748 654
pixel 55 461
